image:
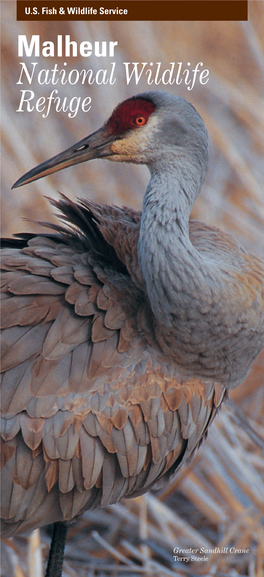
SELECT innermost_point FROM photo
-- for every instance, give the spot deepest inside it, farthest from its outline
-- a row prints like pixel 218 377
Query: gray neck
pixel 192 316
pixel 172 268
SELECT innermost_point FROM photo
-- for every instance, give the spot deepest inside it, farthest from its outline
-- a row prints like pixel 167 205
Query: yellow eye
pixel 140 120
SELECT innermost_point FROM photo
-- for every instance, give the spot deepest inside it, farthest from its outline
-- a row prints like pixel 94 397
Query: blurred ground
pixel 219 501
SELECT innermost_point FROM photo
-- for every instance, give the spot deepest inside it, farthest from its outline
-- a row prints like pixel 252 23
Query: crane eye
pixel 139 120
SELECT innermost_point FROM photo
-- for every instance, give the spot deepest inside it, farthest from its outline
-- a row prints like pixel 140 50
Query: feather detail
pixel 93 454
pixel 32 430
pixel 21 343
pixel 92 409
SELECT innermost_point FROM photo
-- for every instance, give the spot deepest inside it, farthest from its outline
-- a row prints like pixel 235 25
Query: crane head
pixel 143 129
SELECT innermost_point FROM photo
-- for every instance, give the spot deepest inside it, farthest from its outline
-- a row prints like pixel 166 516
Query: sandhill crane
pixel 123 332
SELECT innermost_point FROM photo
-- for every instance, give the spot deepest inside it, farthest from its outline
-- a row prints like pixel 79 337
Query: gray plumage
pixel 122 332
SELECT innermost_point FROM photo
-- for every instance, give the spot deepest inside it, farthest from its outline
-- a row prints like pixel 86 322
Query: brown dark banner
pixel 132 10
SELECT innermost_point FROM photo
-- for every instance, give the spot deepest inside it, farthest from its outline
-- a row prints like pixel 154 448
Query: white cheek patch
pixel 136 143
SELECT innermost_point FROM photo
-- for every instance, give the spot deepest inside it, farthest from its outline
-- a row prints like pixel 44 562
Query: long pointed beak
pixel 97 145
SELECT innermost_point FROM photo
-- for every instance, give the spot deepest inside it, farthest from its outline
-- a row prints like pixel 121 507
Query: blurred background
pixel 219 501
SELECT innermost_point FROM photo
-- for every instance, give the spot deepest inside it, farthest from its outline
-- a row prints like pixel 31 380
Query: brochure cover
pixel 65 67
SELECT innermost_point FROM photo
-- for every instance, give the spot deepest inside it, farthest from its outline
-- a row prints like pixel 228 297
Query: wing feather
pixel 21 343
pixel 73 502
pixel 50 377
pixel 66 476
pixel 9 427
pixel 32 430
pixel 91 425
pixel 80 362
pixel 92 411
pixel 93 454
pixel 113 482
pixel 15 389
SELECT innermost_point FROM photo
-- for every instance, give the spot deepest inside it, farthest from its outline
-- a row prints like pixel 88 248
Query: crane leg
pixel 55 561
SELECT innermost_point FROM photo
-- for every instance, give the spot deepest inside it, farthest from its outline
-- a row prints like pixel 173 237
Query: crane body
pixel 122 331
